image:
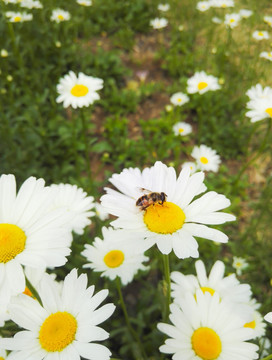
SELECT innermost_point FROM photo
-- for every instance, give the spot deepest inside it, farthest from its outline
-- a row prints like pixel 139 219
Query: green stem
pixel 269 357
pixel 33 290
pixel 167 280
pixel 74 134
pixel 130 328
pixel 85 136
pixel 255 157
pixel 14 45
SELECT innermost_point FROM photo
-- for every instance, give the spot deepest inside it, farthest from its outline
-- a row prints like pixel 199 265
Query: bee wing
pixel 144 191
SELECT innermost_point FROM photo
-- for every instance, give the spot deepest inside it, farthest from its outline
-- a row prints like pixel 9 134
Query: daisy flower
pixel 206 158
pixel 182 129
pixel 258 92
pixel 268 317
pixel 31 4
pixel 75 201
pixel 16 17
pixel 266 55
pixel 100 211
pixel 171 224
pixel 65 326
pixel 268 20
pixel 256 324
pixel 30 235
pixel 159 23
pixel 163 7
pixel 204 327
pixel 216 20
pixel 228 287
pixel 78 91
pixel 232 20
pixel 239 264
pixel 85 2
pixel 200 83
pixel 191 165
pixel 203 6
pixel 179 99
pixel 120 254
pixel 222 3
pixel 259 109
pixel 59 15
pixel 245 13
pixel 260 35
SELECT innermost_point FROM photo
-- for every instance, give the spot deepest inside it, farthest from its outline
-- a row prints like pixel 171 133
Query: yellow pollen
pixel 12 242
pixel 202 85
pixel 79 90
pixel 269 111
pixel 1 358
pixel 207 289
pixel 232 20
pixel 251 324
pixel 181 130
pixel 204 160
pixel 206 343
pixel 223 5
pixel 17 18
pixel 164 219
pixel 60 17
pixel 114 258
pixel 260 33
pixel 58 331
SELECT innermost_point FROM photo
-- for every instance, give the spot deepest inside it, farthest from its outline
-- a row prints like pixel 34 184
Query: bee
pixel 150 198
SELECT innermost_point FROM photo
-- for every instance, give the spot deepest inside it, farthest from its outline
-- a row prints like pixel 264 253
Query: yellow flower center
pixel 181 130
pixel 60 17
pixel 204 160
pixel 79 90
pixel 28 292
pixel 269 54
pixel 269 111
pixel 206 343
pixel 223 5
pixel 232 21
pixel 164 219
pixel 251 324
pixel 260 33
pixel 1 358
pixel 17 18
pixel 207 289
pixel 202 85
pixel 12 242
pixel 179 100
pixel 58 331
pixel 114 258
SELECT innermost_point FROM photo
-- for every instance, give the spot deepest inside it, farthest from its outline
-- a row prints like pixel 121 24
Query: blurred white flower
pixel 232 20
pixel 239 264
pixel 200 83
pixel 179 99
pixel 207 159
pixel 163 7
pixel 260 35
pixel 182 129
pixel 159 23
pixel 59 15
